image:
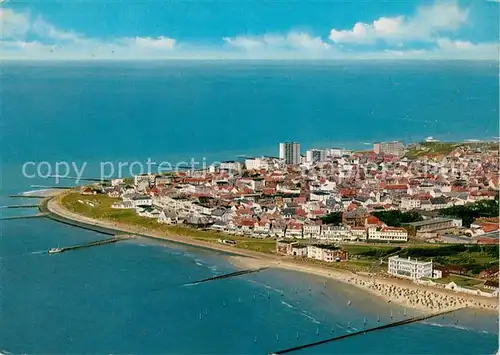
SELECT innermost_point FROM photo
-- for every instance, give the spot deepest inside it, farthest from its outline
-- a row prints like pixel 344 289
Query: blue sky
pixel 217 29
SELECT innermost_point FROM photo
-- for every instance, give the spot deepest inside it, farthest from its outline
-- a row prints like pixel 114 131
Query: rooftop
pixel 429 221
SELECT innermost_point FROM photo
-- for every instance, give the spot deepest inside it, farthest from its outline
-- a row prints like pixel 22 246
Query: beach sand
pixel 392 290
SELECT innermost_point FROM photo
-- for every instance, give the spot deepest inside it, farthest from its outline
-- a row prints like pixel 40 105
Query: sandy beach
pixel 392 290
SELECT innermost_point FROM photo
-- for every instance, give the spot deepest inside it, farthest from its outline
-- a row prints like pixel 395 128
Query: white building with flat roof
pixel 315 156
pixel 393 148
pixel 387 234
pixel 409 268
pixel 338 152
pixel 257 163
pixel 230 165
pixel 290 152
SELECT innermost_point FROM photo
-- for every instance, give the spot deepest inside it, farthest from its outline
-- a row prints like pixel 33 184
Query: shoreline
pixel 391 290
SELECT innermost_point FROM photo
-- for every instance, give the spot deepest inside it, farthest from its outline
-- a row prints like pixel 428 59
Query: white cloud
pixel 160 43
pixel 18 25
pixel 466 49
pixel 291 41
pixel 427 23
pixel 13 25
pixel 46 30
pixel 26 38
pixel 29 38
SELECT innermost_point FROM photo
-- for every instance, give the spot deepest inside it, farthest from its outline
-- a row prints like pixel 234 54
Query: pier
pixel 390 325
pixel 226 276
pixel 91 244
pixel 38 215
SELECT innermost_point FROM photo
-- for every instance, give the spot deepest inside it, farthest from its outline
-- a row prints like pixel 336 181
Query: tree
pixel 397 218
pixel 333 218
pixel 468 213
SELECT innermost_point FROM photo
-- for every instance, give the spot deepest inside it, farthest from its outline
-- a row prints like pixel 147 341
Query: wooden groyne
pixel 90 244
pixel 27 196
pixel 390 325
pixel 226 276
pixel 77 178
pixel 38 215
pixel 20 206
pixel 57 187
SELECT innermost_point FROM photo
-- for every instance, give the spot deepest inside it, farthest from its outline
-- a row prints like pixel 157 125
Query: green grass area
pixel 432 149
pixel 461 281
pixel 262 245
pixel 367 251
pixel 444 148
pixel 99 207
pixel 473 259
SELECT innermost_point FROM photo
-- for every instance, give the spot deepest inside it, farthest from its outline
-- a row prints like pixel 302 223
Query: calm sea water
pixel 129 297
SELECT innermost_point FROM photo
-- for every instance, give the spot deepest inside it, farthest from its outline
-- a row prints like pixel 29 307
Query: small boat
pixel 349 303
pixel 55 250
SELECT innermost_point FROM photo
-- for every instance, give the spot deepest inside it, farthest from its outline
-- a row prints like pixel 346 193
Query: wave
pixel 314 320
pixel 38 192
pixel 287 304
pixel 456 327
pixel 271 288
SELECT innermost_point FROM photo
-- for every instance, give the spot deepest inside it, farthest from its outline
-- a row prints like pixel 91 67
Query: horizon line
pixel 250 59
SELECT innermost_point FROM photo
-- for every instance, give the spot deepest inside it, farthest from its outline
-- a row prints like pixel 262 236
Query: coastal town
pixel 314 204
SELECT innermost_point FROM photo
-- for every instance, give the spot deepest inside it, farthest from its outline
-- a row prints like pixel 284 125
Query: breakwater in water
pixel 38 215
pixel 385 326
pixel 90 244
pixel 226 276
pixel 20 206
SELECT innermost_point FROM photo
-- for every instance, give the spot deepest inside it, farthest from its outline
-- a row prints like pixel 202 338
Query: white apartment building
pixel 138 200
pixel 319 195
pixel 324 253
pixel 257 164
pixel 315 155
pixel 290 152
pixel 393 148
pixel 409 204
pixel 387 234
pixel 335 233
pixel 311 230
pixel 408 268
pixel 358 233
pixel 337 152
pixel 143 177
pixel 230 166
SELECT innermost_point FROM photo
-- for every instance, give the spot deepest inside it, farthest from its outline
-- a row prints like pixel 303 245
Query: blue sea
pixel 130 297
